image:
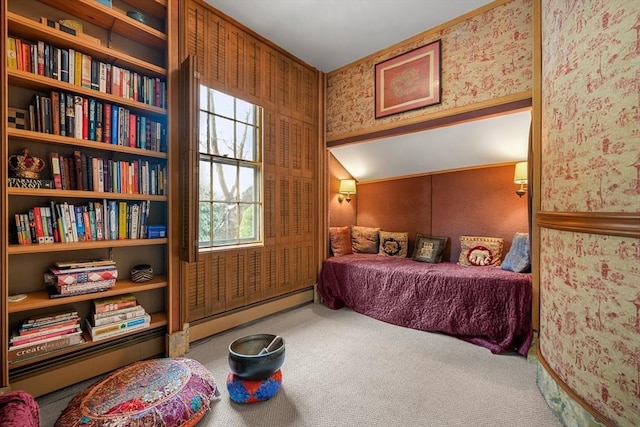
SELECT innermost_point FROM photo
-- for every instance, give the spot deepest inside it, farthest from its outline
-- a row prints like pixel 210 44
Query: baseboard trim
pixel 563 401
pixel 219 324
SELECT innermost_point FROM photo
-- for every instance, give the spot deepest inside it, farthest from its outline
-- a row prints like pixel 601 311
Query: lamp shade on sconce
pixel 347 188
pixel 520 175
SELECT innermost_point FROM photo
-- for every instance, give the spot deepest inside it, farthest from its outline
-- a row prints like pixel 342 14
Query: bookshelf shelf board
pixel 32 30
pixel 81 246
pixel 158 320
pixel 40 299
pixel 111 19
pixel 46 84
pixel 47 138
pixel 156 8
pixel 47 192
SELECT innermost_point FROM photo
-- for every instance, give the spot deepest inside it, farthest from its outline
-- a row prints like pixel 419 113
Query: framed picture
pixel 429 248
pixel 409 81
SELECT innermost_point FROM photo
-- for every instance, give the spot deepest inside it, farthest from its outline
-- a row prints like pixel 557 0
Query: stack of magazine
pixel 66 278
pixel 116 316
pixel 45 334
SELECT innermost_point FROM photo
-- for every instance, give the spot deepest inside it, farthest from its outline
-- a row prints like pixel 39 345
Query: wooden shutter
pixel 215 283
pixel 194 32
pixel 216 51
pixel 270 285
pixel 188 153
pixel 270 76
pixel 270 208
pixel 296 145
pixel 192 274
pixel 236 279
pixel 237 64
pixel 284 83
pixel 270 141
pixel 253 84
pixel 254 276
pixel 297 90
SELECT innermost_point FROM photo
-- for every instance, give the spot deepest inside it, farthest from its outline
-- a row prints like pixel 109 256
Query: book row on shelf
pixel 71 66
pixel 83 172
pixel 95 221
pixel 85 118
pixel 46 334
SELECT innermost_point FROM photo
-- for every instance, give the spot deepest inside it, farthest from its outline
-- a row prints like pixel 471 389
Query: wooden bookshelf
pixel 82 246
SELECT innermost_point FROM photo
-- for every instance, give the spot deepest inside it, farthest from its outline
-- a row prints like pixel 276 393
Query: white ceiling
pixel 329 34
pixel 495 140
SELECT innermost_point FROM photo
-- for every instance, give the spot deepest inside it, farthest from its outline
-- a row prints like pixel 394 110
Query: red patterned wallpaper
pixel 485 57
pixel 589 284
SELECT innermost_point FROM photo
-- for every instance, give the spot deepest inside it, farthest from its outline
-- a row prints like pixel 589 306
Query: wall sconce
pixel 347 188
pixel 520 177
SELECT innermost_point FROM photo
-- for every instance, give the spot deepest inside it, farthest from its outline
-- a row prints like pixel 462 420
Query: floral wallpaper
pixel 485 57
pixel 590 155
pixel 591 113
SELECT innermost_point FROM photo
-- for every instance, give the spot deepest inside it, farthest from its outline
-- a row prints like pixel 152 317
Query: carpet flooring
pixel 346 369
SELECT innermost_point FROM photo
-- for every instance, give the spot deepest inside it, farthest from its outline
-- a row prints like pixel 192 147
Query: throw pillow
pixel 429 248
pixel 477 250
pixel 518 259
pixel 393 243
pixel 340 238
pixel 365 239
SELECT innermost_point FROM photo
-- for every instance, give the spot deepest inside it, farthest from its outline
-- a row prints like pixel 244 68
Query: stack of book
pixel 116 316
pixel 45 334
pixel 80 277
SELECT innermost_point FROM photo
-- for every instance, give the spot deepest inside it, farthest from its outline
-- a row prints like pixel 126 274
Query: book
pixel 12 54
pixel 84 288
pixel 127 311
pixel 31 183
pixel 46 330
pixel 18 341
pixel 32 350
pixel 95 274
pixel 114 303
pixel 85 263
pixel 110 330
pixel 86 71
pixel 43 319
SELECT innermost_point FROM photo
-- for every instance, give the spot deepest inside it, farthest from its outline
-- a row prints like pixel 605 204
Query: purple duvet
pixel 486 306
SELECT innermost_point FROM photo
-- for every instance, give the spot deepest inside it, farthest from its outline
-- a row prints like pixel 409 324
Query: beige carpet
pixel 345 369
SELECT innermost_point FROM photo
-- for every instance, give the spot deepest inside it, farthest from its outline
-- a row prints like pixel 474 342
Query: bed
pixel 486 306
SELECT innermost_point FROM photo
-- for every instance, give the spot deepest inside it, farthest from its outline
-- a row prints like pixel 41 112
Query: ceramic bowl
pixel 246 361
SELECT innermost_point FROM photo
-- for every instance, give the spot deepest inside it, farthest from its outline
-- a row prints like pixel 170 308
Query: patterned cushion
pixel 364 239
pixel 159 392
pixel 252 391
pixel 477 250
pixel 340 238
pixel 518 259
pixel 429 248
pixel 393 243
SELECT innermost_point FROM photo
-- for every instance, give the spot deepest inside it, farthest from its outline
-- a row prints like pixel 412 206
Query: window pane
pixel 204 220
pixel 248 222
pixel 248 184
pixel 220 103
pixel 225 182
pixel 225 223
pixel 245 112
pixel 245 135
pixel 206 193
pixel 203 134
pixel 203 98
pixel 224 142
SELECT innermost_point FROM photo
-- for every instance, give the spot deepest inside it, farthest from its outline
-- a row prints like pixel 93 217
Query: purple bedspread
pixel 486 306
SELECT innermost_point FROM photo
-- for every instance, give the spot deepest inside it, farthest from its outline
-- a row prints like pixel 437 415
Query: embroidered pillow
pixel 518 258
pixel 429 248
pixel 364 239
pixel 393 243
pixel 480 251
pixel 340 238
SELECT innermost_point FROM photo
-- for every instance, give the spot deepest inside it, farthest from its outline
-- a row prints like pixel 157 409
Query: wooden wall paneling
pixel 284 83
pixel 254 275
pixel 270 76
pixel 270 135
pixel 215 283
pixel 296 146
pixel 236 279
pixel 297 212
pixel 253 83
pixel 309 264
pixel 270 208
pixel 297 90
pixel 193 35
pixel 193 275
pixel 283 142
pixel 236 63
pixel 309 150
pixel 284 283
pixel 270 283
pixel 309 91
pixel 297 266
pixel 284 208
pixel 308 208
pixel 215 51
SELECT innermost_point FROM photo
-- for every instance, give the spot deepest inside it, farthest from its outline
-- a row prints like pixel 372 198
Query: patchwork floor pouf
pixel 252 391
pixel 164 392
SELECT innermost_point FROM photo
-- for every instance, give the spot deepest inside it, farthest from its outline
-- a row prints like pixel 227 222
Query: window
pixel 230 157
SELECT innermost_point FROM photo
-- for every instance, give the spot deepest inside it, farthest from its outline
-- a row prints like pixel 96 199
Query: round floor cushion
pixel 158 392
pixel 252 391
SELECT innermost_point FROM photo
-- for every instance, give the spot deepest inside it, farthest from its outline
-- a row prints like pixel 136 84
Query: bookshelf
pixel 140 52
